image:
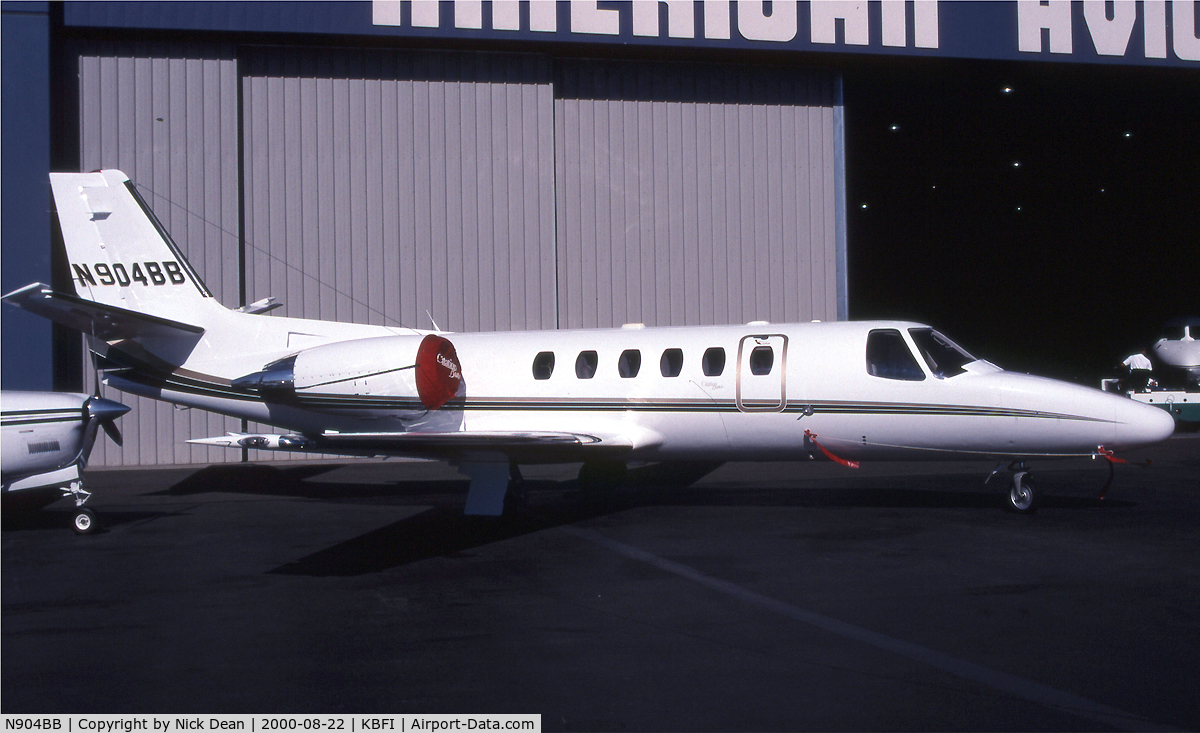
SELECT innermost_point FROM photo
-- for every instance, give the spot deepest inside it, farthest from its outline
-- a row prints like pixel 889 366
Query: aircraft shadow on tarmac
pixel 263 480
pixel 55 519
pixel 443 530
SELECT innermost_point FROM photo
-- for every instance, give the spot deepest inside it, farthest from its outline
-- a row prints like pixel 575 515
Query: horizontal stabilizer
pixel 258 307
pixel 107 322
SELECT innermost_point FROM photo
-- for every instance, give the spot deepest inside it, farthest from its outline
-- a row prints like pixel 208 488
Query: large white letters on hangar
pixel 754 22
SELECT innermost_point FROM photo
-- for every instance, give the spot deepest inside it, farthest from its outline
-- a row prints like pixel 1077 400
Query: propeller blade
pixel 110 429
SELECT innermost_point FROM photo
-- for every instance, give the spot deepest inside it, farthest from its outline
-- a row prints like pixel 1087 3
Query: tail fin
pixel 119 253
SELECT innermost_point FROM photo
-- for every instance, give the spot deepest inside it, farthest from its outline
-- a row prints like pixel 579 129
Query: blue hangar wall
pixel 499 164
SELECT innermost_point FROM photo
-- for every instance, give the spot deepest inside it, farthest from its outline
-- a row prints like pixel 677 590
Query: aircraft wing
pixel 466 445
pixel 484 438
pixel 103 321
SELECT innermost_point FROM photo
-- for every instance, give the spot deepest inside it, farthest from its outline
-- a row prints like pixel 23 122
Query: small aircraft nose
pixel 1138 424
pixel 104 409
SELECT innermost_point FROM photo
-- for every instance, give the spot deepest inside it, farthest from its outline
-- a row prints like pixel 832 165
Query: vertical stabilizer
pixel 118 252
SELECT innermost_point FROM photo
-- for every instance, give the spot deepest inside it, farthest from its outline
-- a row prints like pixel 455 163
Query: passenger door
pixel 761 373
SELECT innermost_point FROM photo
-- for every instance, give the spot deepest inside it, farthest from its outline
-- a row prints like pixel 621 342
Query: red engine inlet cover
pixel 438 371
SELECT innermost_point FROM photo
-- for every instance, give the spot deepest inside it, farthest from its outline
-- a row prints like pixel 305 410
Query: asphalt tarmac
pixel 784 596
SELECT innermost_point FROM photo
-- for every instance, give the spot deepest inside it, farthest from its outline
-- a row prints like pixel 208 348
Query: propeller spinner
pixel 106 412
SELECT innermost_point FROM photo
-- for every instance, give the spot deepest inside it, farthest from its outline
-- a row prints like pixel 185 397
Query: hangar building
pixel 496 165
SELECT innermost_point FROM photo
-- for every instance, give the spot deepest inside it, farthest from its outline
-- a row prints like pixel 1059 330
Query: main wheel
pixel 1022 498
pixel 84 521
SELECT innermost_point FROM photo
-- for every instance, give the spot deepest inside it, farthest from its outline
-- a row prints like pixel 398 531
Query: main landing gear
pixel 1022 498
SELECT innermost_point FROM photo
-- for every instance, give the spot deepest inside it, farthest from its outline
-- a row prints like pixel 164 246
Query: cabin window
pixel 944 357
pixel 713 362
pixel 630 363
pixel 543 365
pixel 761 360
pixel 888 357
pixel 585 365
pixel 671 363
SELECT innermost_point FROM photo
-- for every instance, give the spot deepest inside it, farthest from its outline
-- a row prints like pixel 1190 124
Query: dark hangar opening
pixel 1044 215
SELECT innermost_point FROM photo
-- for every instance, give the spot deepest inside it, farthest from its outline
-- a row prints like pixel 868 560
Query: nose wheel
pixel 1022 498
pixel 84 521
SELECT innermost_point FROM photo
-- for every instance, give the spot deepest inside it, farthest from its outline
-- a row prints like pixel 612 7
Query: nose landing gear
pixel 1021 498
pixel 83 520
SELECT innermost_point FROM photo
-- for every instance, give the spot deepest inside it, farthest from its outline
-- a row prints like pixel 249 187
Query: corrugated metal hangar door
pixel 693 195
pixel 495 191
pixel 167 116
pixel 381 185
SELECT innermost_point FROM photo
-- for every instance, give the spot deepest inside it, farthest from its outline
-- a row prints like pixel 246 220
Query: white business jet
pixel 488 402
pixel 46 440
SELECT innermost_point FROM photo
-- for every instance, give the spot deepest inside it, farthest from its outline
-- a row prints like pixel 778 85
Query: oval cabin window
pixel 761 360
pixel 671 363
pixel 630 363
pixel 585 365
pixel 543 365
pixel 713 362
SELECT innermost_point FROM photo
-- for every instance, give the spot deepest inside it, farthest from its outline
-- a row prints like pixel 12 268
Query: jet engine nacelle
pixel 420 368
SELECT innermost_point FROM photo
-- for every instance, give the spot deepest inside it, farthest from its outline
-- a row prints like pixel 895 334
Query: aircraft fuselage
pixel 686 393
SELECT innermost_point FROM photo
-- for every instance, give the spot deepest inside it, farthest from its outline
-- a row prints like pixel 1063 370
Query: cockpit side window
pixel 889 357
pixel 944 357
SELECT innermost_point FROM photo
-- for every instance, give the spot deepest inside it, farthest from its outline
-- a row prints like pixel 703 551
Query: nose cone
pixel 1085 418
pixel 104 409
pixel 1138 424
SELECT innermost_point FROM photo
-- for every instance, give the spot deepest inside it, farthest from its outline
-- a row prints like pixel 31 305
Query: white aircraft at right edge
pixel 488 402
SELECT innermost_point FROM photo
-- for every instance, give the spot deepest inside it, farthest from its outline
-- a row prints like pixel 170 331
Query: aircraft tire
pixel 84 521
pixel 1022 498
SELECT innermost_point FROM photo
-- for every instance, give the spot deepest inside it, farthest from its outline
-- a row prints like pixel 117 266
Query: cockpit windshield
pixel 944 357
